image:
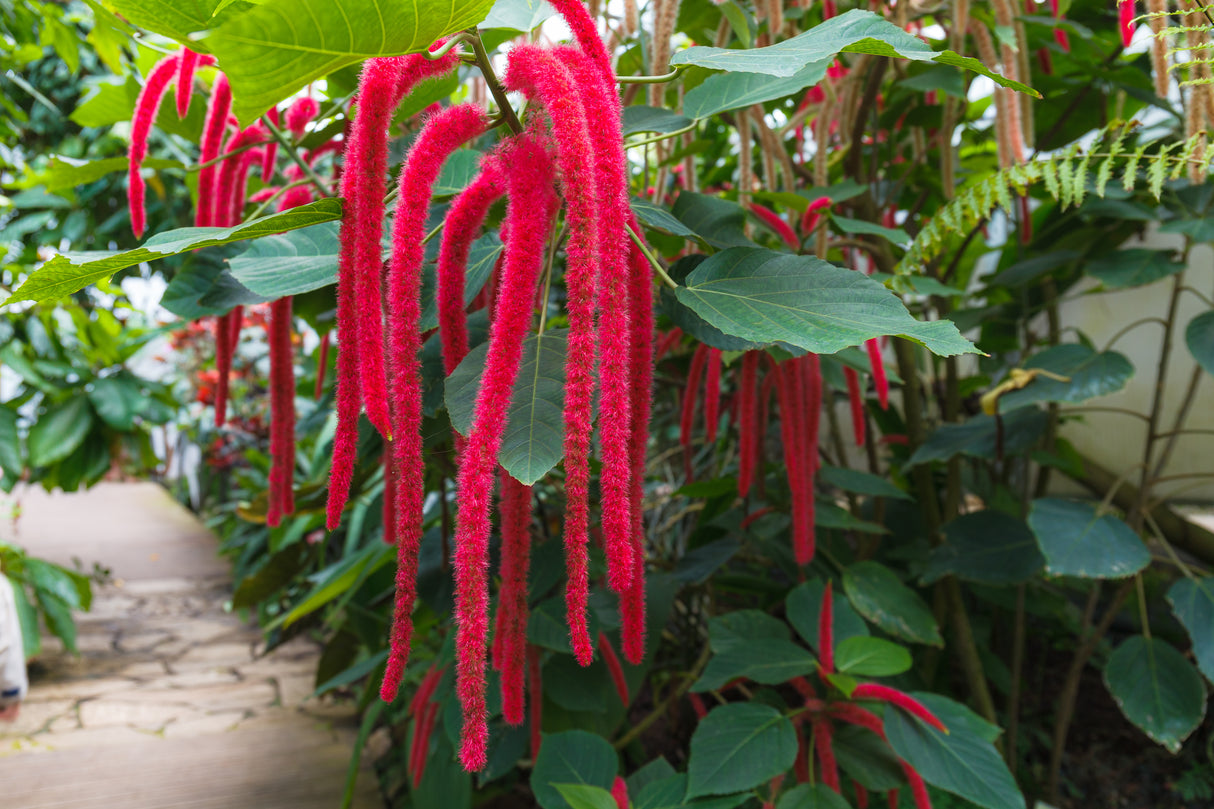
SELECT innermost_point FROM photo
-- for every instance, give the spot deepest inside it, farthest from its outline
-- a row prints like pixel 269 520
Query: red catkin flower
pixel 463 222
pixel 389 507
pixel 619 791
pixel 697 705
pixel 535 720
pixel 861 795
pixel 271 149
pixel 695 371
pixel 748 421
pixel 282 413
pixel 918 788
pixel 146 107
pixel 809 221
pixel 542 77
pixel 712 394
pixel 1125 21
pixel 228 193
pixel 892 797
pixel 855 715
pixel 914 707
pixel 777 224
pixel 322 364
pixel 614 668
pixel 212 140
pixel 442 135
pixel 514 505
pixel 422 732
pixel 301 113
pixel 826 630
pixel 824 747
pixel 586 32
pixel 856 399
pixel 185 80
pixel 791 434
pixel 223 366
pixel 873 347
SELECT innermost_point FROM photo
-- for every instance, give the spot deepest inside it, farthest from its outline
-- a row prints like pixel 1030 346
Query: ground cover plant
pixel 672 400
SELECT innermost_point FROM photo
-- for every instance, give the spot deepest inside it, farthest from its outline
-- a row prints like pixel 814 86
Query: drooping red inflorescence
pixel 146 106
pixel 510 630
pixel 892 696
pixel 282 413
pixel 271 149
pixel 712 394
pixel 1125 21
pixel 824 747
pixel 614 668
pixel 212 141
pixel 748 422
pixel 619 791
pixel 695 371
pixel 301 113
pixel 774 221
pixel 873 347
pixel 185 80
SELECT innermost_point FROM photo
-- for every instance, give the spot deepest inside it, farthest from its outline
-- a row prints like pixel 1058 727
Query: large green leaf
pixel 880 596
pixel 1192 601
pixel 737 747
pixel 71 588
pixel 764 660
pixel 811 796
pixel 277 47
pixel 518 15
pixel 1076 541
pixel 804 608
pixel 737 628
pixel 71 272
pixel 961 761
pixel 118 400
pixel 533 438
pixel 11 461
pixel 1133 267
pixel 67 172
pixel 670 792
pixel 865 757
pixel 1199 337
pixel 853 480
pixel 586 796
pixel 1157 689
pixel 1088 374
pixel 640 118
pixel 871 657
pixel 59 431
pixel 855 31
pixel 572 757
pixel 986 546
pixel 289 263
pixel 979 436
pixel 176 19
pixel 719 222
pixel 771 297
pixel 730 91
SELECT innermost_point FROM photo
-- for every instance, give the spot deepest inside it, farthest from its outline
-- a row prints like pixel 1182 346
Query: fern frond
pixel 1131 169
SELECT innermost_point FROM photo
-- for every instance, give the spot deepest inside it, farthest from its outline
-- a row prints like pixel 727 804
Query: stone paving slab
pixel 172 702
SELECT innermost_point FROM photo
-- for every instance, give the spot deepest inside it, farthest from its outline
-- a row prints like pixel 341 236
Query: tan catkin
pixel 1159 45
pixel 664 18
pixel 773 145
pixel 1024 72
pixel 1004 126
pixel 632 18
pixel 775 16
pixel 723 31
pixel 595 7
pixel 961 21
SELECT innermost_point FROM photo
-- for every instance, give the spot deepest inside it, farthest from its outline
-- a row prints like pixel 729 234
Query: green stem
pixel 662 79
pixel 495 86
pixel 653 261
pixel 663 136
pixel 289 148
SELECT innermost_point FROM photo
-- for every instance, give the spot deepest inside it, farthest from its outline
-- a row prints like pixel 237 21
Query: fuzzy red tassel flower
pixel 146 106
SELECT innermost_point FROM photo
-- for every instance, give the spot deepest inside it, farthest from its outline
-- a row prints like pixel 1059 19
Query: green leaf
pixel 67 172
pixel 1192 602
pixel 533 439
pixel 58 617
pixel 658 218
pixel 896 236
pixel 867 759
pixel 1133 267
pixel 731 91
pixel 770 297
pixel 458 171
pixel 1089 374
pixel 804 606
pixel 277 47
pixel 737 747
pixel 578 688
pixel 961 761
pixel 585 796
pixel 11 460
pixel 737 628
pixel 118 400
pixel 176 19
pixel 764 660
pixel 881 597
pixel 1199 337
pixel 1199 230
pixel 811 796
pixel 639 118
pixel 855 31
pixel 59 431
pixel 1157 689
pixel 871 657
pixel 572 757
pixel 289 263
pixel 853 480
pixel 482 257
pixel 68 586
pixel 71 272
pixel 518 15
pixel 668 793
pixel 989 547
pixel 977 437
pixel 716 221
pixel 942 78
pixel 339 578
pixel 1078 542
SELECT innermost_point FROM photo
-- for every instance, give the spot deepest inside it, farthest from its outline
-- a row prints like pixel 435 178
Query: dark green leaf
pixel 763 660
pixel 1192 601
pixel 118 400
pixel 71 588
pixel 658 218
pixel 770 297
pixel 854 31
pixel 867 759
pixel 458 171
pixel 289 263
pixel 67 172
pixel 1157 689
pixel 697 565
pixel 1030 269
pixel 853 480
pixel 881 597
pixel 1089 374
pixel 1199 337
pixel 59 431
pixel 575 688
pixel 731 91
pixel 11 456
pixel 986 546
pixel 871 657
pixel 1199 230
pixel 532 442
pixel 737 747
pixel 811 796
pixel 718 222
pixel 1076 541
pixel 977 436
pixel 482 257
pixel 652 119
pixel 804 606
pixel 572 757
pixel 58 617
pixel 739 627
pixel 585 796
pixel 897 236
pixel 1133 267
pixel 71 272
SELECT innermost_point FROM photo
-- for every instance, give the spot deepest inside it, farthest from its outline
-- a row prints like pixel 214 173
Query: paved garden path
pixel 170 705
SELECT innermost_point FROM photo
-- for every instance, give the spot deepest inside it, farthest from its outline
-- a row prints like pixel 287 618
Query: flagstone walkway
pixel 171 704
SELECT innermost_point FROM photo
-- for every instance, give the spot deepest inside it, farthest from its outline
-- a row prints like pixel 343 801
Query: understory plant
pixel 688 413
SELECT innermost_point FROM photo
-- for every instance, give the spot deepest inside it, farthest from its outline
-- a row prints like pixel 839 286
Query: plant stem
pixel 659 710
pixel 289 148
pixel 653 261
pixel 495 86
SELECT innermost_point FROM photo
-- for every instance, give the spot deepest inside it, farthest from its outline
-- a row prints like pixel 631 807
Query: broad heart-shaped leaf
pixel 853 480
pixel 518 15
pixel 66 172
pixel 881 597
pixel 866 758
pixel 771 297
pixel 871 657
pixel 533 439
pixel 812 796
pixel 118 400
pixel 669 792
pixel 289 263
pixel 978 436
pixel 765 660
pixel 718 222
pixel 1192 601
pixel 1089 374
pixel 71 272
pixel 1199 337
pixel 572 757
pixel 1078 542
pixel 59 431
pixel 855 31
pixel 1133 267
pixel 803 605
pixel 986 546
pixel 961 761
pixel 1157 689
pixel 737 747
pixel 640 118
pixel 730 91
pixel 586 796
pixel 11 462
pixel 742 627
pixel 278 46
pixel 176 19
